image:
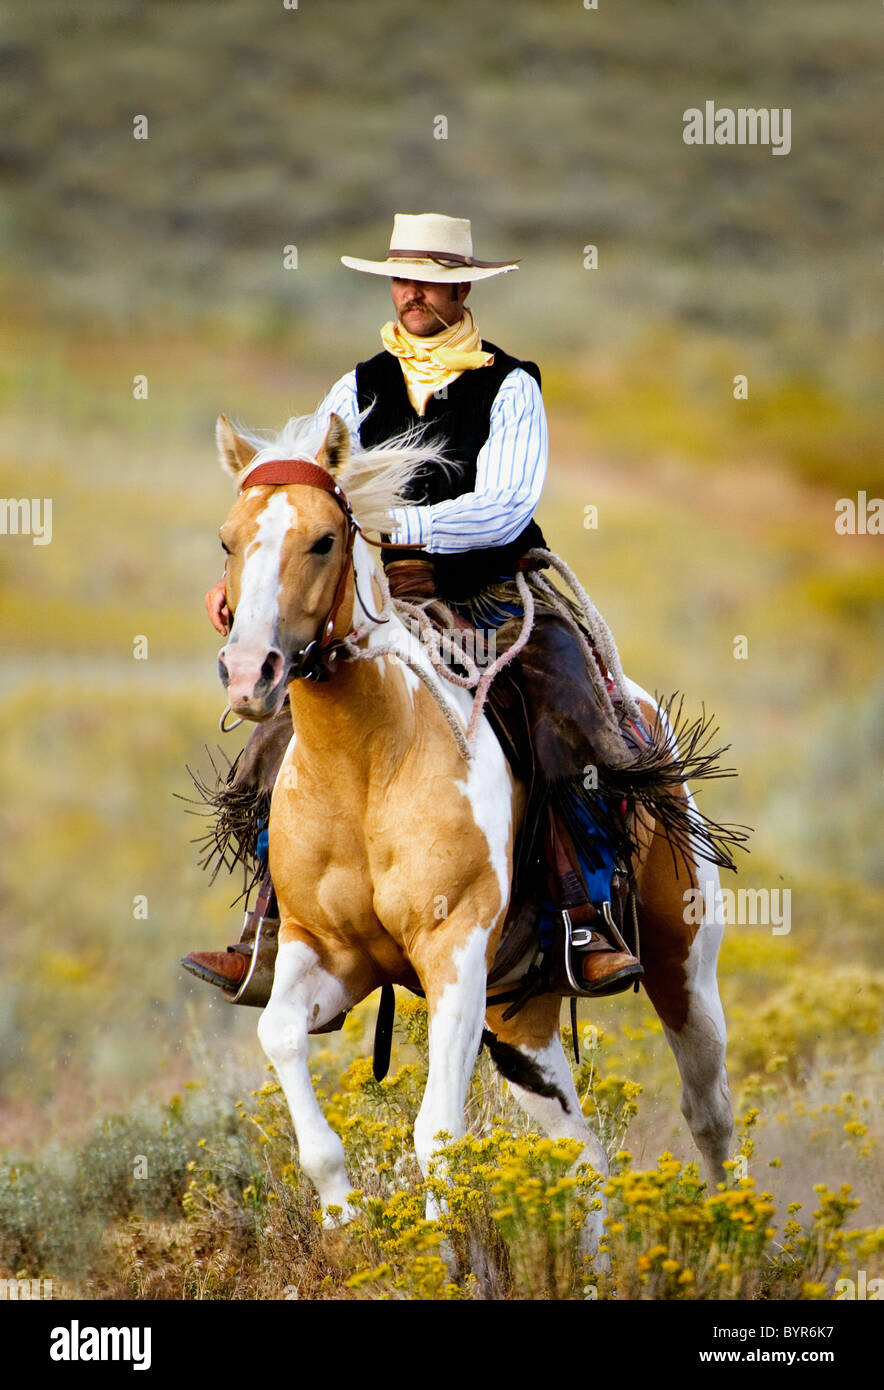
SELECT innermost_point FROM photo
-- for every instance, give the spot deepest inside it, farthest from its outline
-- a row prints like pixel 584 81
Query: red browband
pixel 279 472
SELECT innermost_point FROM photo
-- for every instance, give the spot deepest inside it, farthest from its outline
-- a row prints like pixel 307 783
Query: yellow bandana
pixel 430 363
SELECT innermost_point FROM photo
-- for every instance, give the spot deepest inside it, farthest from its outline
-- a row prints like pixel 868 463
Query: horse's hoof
pixel 336 1217
pixel 335 1242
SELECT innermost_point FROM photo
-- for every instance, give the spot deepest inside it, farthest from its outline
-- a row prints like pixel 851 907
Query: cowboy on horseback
pixel 469 532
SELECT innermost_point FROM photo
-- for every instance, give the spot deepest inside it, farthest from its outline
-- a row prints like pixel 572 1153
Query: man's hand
pixel 216 607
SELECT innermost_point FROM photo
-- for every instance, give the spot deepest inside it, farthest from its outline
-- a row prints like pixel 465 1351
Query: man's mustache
pixel 425 308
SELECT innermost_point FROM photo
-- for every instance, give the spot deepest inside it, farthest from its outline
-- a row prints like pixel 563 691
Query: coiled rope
pixel 442 650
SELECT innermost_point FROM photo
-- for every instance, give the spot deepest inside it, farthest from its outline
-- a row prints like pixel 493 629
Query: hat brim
pixel 401 269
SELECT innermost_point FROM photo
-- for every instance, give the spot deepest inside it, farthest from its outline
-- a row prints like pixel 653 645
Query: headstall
pixel 317 659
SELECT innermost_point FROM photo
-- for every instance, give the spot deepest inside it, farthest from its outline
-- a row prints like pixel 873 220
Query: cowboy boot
pixel 244 971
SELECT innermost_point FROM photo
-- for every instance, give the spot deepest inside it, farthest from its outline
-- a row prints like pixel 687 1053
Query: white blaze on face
pixel 258 608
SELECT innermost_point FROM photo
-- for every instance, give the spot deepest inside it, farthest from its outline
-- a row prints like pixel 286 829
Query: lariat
pixel 444 654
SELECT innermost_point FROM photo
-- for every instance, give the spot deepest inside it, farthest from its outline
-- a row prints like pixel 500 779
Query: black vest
pixel 462 420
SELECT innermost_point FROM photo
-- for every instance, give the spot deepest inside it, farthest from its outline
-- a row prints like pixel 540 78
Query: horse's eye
pixel 322 546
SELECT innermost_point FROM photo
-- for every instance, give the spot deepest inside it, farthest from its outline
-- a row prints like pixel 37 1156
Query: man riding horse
pixel 462 542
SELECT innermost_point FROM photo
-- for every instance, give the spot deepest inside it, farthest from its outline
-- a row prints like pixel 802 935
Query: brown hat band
pixel 447 258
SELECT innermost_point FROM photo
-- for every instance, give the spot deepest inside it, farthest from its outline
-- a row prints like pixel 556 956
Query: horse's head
pixel 287 547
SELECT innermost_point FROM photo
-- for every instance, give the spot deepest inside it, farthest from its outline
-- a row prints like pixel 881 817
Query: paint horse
pixel 376 817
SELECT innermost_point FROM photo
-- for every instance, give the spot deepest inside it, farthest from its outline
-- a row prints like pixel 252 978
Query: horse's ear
pixel 235 454
pixel 335 451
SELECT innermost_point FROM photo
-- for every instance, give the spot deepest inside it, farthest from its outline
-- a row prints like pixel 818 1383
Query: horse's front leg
pixel 304 997
pixel 454 982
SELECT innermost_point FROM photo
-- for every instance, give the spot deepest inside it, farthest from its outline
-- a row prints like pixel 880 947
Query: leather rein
pixel 316 660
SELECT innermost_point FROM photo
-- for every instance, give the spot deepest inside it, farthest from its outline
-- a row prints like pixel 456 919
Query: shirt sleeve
pixel 341 400
pixel 510 473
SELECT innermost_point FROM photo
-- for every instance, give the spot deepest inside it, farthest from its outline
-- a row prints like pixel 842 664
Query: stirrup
pixel 577 939
pixel 565 975
pixel 263 936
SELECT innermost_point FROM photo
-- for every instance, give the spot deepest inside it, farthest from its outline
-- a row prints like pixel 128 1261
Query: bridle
pixel 316 661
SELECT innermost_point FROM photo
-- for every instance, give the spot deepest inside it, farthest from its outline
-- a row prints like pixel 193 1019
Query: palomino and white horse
pixel 376 817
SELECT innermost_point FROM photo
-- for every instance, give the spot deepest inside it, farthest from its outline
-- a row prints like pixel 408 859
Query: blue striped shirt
pixel 510 472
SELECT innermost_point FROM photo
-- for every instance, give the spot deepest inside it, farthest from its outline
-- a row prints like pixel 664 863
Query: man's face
pixel 414 301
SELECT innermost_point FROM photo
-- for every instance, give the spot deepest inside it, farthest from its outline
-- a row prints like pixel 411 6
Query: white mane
pixel 374 480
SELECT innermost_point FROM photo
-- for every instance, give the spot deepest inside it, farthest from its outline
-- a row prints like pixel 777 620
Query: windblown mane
pixel 374 480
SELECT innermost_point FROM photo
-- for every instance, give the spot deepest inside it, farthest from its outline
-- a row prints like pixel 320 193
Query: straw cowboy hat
pixel 428 246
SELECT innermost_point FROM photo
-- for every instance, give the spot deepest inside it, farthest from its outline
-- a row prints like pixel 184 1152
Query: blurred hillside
pixel 270 126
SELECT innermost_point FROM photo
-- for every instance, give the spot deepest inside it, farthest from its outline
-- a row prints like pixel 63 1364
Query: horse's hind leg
pixel 304 997
pixel 679 956
pixel 528 1052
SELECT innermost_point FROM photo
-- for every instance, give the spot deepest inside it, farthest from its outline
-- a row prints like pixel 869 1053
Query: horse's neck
pixel 366 586
pixel 360 703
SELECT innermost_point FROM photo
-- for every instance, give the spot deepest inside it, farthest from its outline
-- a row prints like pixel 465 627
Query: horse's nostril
pixel 223 671
pixel 272 667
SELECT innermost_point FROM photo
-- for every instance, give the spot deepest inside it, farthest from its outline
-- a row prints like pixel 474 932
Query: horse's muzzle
pixel 254 681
